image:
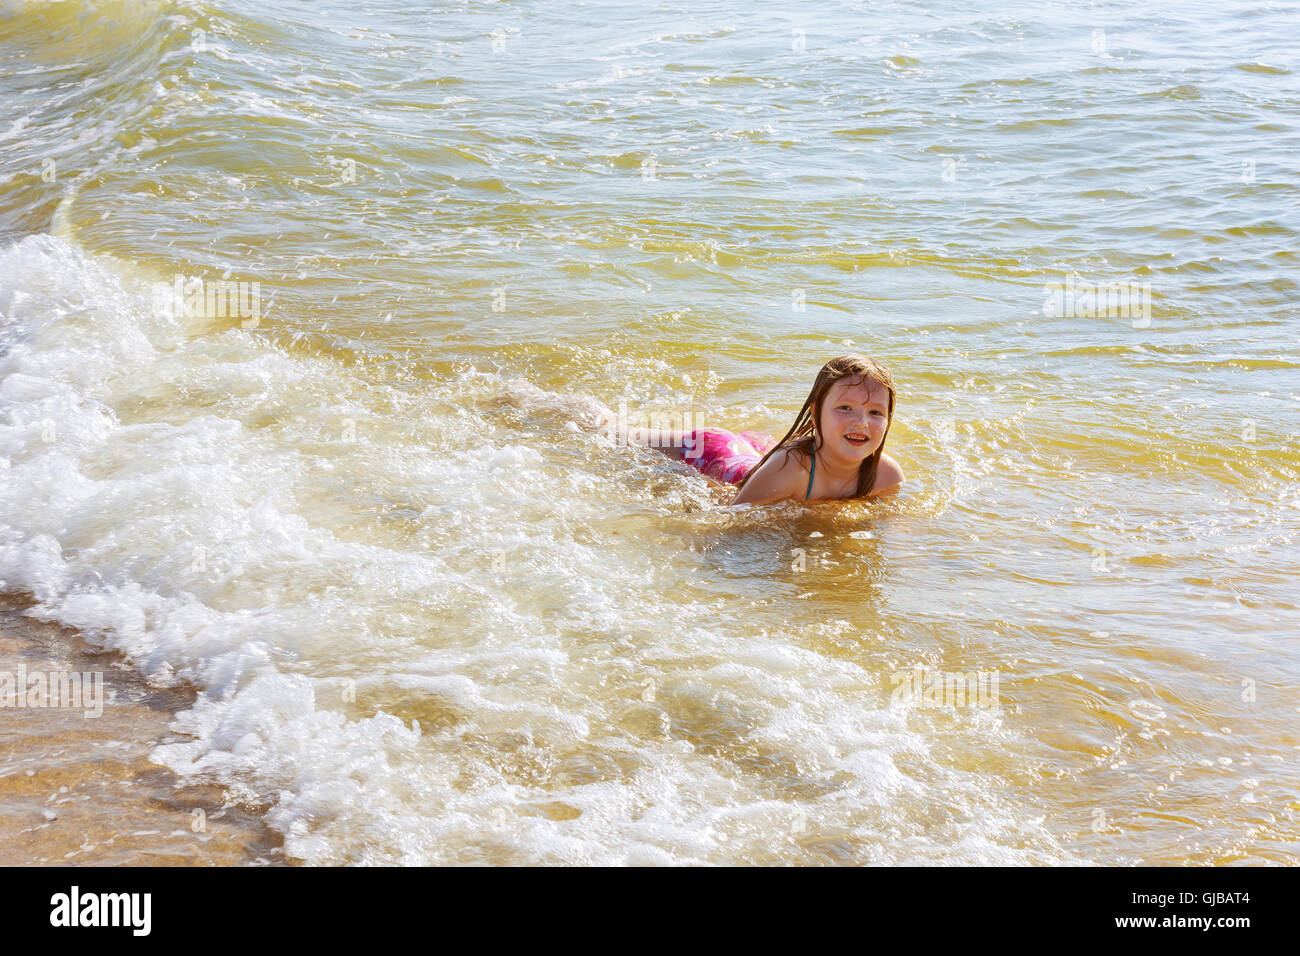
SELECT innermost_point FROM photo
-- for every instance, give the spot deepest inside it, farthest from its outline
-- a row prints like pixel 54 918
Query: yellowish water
pixel 429 621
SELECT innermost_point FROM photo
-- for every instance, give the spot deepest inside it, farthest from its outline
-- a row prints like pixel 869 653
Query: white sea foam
pixel 421 643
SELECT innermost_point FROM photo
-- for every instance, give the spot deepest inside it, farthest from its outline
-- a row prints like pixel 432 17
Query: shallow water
pixel 77 785
pixel 432 622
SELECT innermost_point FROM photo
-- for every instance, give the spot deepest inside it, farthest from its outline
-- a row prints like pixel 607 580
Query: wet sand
pixel 81 789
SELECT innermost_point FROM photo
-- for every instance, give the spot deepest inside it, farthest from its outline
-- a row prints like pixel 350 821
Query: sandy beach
pixel 82 790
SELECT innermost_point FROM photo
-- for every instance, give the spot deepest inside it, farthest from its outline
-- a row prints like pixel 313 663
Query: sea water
pixel 279 287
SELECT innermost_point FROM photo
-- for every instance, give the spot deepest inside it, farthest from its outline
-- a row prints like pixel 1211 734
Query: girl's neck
pixel 839 470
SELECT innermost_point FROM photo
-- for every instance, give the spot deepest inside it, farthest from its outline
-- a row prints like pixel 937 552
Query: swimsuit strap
pixel 811 471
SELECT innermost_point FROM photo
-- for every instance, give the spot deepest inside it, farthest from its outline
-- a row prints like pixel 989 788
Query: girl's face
pixel 854 418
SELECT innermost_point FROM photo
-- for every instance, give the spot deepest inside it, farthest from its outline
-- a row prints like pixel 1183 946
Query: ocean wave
pixel 365 674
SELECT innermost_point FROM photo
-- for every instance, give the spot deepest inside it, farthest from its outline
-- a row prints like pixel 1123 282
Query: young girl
pixel 835 449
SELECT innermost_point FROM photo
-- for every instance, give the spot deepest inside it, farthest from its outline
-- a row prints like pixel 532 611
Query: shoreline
pixel 81 790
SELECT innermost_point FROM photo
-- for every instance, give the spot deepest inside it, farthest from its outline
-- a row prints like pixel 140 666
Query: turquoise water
pixel 432 621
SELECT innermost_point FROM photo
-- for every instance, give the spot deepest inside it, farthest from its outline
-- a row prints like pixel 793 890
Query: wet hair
pixel 803 436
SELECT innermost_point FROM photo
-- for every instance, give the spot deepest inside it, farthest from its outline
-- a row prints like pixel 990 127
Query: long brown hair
pixel 802 436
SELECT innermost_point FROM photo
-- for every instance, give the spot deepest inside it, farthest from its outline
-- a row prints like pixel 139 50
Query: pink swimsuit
pixel 724 456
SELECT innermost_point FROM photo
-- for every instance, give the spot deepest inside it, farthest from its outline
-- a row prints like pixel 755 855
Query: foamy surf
pixel 410 639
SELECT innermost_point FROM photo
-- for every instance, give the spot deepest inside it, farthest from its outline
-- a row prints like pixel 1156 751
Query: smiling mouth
pixel 856 439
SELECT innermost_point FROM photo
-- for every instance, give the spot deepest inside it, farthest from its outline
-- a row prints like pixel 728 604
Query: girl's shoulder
pixel 889 476
pixel 782 475
pixel 793 458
